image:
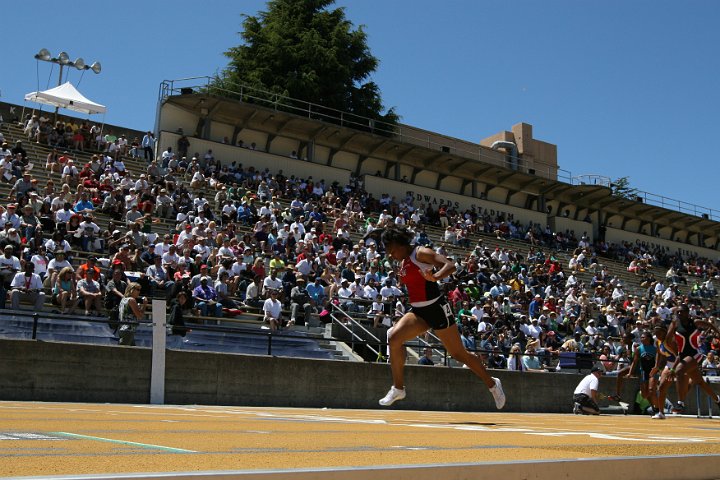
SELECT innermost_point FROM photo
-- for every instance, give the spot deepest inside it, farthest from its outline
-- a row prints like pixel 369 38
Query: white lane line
pixel 124 442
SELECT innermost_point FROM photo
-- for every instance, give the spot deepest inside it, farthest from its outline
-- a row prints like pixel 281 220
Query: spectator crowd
pixel 217 238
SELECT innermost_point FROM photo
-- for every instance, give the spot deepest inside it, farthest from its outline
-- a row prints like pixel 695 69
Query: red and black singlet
pixel 420 291
pixel 688 339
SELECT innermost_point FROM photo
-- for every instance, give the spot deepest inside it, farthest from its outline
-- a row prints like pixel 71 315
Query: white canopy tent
pixel 66 96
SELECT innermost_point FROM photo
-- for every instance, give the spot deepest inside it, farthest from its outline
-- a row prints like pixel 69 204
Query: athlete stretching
pixel 420 270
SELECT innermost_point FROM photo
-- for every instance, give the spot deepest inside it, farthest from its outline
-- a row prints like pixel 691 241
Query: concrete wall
pixel 261 160
pixel 68 372
pixel 560 224
pixel 31 370
pixel 616 235
pixel 378 186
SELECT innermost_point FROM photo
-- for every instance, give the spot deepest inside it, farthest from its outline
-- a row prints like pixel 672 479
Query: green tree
pixel 621 188
pixel 303 50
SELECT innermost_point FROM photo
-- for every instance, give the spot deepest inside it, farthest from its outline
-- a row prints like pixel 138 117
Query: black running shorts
pixel 438 314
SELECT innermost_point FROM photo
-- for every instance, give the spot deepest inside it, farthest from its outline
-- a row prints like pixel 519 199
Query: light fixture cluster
pixel 64 59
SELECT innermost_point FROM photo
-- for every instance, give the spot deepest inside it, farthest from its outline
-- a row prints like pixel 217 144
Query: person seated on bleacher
pixel 222 287
pixel 89 269
pixel 6 166
pixel 88 234
pixel 389 290
pixel 346 294
pixel 164 203
pixel 133 215
pixel 10 217
pixel 203 271
pixel 19 150
pixel 198 180
pixel 27 286
pixel 135 237
pixel 206 298
pixel 147 256
pixel 119 167
pixel 56 265
pixel 369 291
pixel 710 366
pixel 11 237
pixel 159 278
pixel 84 205
pixel 316 290
pixel 185 256
pixel 70 173
pixel 113 203
pixel 253 293
pixel 141 184
pixel 28 222
pixel 39 258
pixel 272 312
pixel 376 312
pixel 22 186
pixel 64 291
pixel 272 282
pixel 113 240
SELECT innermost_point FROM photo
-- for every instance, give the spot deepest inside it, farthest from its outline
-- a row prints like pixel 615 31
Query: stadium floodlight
pixel 44 55
pixel 63 59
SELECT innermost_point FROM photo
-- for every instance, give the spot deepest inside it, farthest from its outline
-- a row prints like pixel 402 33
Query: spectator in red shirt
pixel 89 269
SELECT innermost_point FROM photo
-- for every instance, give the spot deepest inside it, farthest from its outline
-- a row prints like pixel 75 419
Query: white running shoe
pixel 658 416
pixel 498 394
pixel 577 410
pixel 392 396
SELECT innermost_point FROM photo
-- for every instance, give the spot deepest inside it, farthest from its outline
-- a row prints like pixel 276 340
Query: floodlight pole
pixel 59 83
pixel 62 60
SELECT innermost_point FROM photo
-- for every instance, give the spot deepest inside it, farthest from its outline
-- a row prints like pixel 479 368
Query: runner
pixel 643 361
pixel 666 347
pixel 687 367
pixel 420 270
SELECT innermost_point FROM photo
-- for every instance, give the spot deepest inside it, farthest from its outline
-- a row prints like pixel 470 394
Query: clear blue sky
pixel 623 87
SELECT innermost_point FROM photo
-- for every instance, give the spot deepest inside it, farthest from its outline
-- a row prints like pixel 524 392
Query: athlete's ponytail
pixel 391 234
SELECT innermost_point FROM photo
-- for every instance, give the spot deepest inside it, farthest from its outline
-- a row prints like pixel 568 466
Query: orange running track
pixel 45 439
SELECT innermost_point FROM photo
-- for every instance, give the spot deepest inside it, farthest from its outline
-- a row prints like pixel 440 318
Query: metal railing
pixel 652 198
pixel 354 337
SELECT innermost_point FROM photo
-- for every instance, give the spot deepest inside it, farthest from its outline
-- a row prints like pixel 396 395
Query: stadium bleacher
pixel 307 341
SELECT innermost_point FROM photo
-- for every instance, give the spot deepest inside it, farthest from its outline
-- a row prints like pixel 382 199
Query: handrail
pixel 421 341
pixel 436 341
pixel 354 323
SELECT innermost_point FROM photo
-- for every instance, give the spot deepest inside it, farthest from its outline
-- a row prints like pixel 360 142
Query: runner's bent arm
pixel 445 267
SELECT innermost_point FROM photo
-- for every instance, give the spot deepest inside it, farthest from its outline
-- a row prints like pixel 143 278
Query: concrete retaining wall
pixel 31 370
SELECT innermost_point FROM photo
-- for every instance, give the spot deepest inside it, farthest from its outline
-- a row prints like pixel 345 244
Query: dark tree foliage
pixel 621 188
pixel 304 50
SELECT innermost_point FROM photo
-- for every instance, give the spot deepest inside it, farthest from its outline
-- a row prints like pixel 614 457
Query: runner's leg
pixel 407 328
pixel 451 339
